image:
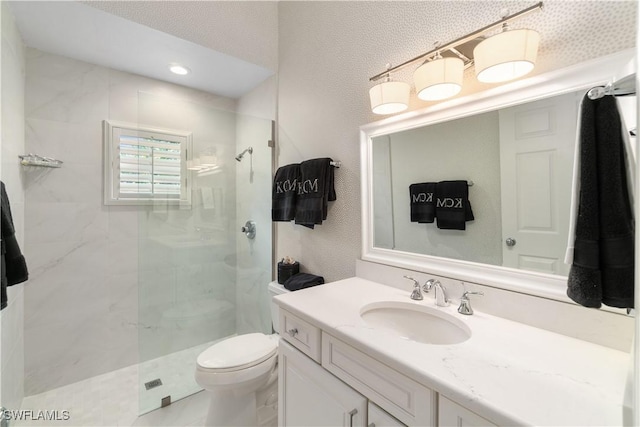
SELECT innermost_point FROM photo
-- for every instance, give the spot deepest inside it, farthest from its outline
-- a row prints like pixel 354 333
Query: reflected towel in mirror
pixel 453 209
pixel 423 202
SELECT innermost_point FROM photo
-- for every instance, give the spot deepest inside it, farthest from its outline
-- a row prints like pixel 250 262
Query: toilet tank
pixel 275 289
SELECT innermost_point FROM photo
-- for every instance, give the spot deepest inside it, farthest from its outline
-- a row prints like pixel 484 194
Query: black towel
pixel 14 266
pixel 315 190
pixel 284 193
pixel 303 280
pixel 603 264
pixel 423 202
pixel 452 205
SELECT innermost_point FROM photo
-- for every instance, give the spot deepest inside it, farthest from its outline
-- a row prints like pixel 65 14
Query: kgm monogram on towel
pixel 303 187
pixel 422 198
pixel 449 202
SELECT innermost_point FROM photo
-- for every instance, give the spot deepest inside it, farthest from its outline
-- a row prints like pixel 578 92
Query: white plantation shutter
pixel 145 165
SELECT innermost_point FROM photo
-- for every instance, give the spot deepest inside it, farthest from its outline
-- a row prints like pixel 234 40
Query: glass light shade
pixel 439 79
pixel 389 97
pixel 506 56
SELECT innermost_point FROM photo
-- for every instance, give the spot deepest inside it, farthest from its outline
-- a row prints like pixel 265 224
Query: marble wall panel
pixel 104 283
pixel 12 145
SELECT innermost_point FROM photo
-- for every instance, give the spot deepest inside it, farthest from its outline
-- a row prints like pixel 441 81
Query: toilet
pixel 240 374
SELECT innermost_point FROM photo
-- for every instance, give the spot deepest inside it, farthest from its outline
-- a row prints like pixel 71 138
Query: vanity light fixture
pixel 439 78
pixel 389 97
pixel 505 56
pixel 179 69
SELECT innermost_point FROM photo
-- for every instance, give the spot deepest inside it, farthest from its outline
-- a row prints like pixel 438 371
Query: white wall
pixel 328 51
pixel 13 144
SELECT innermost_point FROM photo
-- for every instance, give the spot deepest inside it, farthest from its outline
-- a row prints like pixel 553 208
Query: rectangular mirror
pixel 515 147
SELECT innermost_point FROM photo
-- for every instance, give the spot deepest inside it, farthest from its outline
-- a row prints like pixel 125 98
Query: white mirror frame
pixel 583 76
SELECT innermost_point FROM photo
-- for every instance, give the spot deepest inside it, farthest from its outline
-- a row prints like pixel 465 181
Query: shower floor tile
pixel 119 398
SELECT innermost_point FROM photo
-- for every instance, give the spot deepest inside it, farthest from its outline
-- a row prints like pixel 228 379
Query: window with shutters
pixel 145 165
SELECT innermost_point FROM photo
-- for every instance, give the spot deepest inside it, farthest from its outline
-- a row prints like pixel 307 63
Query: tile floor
pixel 117 398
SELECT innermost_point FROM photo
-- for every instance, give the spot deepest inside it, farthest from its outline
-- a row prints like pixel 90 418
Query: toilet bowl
pixel 236 370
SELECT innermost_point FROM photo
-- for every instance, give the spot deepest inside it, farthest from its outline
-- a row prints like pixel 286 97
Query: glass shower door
pixel 200 279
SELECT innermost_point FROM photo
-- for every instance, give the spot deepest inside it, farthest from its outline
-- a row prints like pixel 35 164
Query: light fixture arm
pixel 461 40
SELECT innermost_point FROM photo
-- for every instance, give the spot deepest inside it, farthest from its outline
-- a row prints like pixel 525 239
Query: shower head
pixel 239 156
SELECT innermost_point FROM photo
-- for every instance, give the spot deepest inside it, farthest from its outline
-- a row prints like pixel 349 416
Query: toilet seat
pixel 238 353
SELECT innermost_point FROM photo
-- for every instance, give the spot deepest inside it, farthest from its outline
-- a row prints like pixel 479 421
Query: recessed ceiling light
pixel 179 69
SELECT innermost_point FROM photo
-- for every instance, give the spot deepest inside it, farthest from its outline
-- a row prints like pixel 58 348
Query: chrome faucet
pixel 416 294
pixel 440 294
pixel 465 304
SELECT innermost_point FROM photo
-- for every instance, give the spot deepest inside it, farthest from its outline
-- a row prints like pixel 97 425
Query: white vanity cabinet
pixel 377 417
pixel 310 396
pixel 450 414
pixel 314 394
pixel 405 399
pixel 324 381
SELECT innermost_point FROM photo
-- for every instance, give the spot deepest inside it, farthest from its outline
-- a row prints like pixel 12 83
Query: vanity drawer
pixel 301 334
pixel 405 399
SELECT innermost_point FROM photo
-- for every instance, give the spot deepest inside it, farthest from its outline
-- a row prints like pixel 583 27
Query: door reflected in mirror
pixel 520 160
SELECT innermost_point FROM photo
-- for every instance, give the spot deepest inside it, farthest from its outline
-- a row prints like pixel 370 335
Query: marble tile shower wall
pixel 111 285
pixel 12 317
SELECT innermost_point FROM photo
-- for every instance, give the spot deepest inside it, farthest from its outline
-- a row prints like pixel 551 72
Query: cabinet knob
pixel 293 332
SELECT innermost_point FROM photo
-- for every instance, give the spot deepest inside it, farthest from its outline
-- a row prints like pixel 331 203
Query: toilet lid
pixel 238 352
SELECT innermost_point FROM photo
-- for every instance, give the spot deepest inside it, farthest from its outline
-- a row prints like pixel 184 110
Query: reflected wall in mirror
pixel 519 161
pixel 516 143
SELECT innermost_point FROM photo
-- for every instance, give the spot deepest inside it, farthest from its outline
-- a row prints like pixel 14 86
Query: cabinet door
pixel 378 417
pixel 453 415
pixel 310 396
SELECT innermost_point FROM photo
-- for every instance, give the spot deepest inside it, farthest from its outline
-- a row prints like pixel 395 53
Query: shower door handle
pixel 249 229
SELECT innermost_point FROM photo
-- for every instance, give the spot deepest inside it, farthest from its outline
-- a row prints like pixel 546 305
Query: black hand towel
pixel 315 190
pixel 423 202
pixel 452 205
pixel 603 262
pixel 14 266
pixel 284 192
pixel 302 280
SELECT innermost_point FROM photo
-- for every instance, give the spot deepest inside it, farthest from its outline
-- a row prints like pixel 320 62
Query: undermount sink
pixel 415 322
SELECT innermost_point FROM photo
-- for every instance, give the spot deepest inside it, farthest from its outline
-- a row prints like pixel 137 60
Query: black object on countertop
pixel 303 280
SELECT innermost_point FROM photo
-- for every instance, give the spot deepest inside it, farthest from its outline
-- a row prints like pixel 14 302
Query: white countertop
pixel 507 372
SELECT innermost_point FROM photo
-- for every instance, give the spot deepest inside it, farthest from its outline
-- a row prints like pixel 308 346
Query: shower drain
pixel 153 384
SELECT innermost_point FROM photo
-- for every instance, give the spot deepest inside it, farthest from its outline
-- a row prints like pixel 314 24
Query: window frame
pixel 112 131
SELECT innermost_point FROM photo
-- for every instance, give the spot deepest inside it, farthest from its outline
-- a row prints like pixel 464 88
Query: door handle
pixel 352 413
pixel 510 241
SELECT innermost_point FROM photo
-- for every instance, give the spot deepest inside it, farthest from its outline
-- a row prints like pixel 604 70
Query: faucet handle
pixel 430 284
pixel 465 303
pixel 415 294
